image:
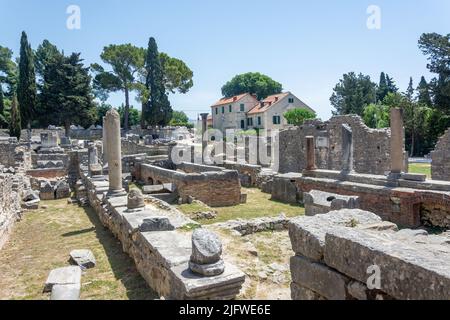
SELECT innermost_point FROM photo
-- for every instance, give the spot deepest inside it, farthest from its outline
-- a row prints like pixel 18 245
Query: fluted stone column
pixel 114 151
pixel 397 139
pixel 204 140
pixel 310 154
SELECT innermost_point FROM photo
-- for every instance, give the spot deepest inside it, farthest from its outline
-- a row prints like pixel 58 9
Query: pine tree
pixel 423 90
pixel 26 87
pixel 67 93
pixel 157 109
pixel 14 124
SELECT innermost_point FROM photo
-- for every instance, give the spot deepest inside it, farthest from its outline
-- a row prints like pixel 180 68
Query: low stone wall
pixel 51 173
pixel 11 188
pixel 408 204
pixel 440 165
pixel 247 227
pixel 216 189
pixel 351 254
pixel 248 173
pixel 189 167
pixel 55 157
pixel 161 257
pixel 129 147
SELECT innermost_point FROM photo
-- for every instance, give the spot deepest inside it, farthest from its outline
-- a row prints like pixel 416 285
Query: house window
pixel 276 119
pixel 242 107
pixel 229 108
pixel 249 121
pixel 242 124
pixel 259 121
pixel 217 110
pixel 291 100
pixel 223 109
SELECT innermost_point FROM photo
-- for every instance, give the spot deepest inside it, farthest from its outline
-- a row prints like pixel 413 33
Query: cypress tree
pixel 26 87
pixel 2 108
pixel 14 124
pixel 382 87
pixel 423 90
pixel 158 110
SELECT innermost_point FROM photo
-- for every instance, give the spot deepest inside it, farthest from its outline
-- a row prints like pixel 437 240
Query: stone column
pixel 114 151
pixel 397 141
pixel 204 140
pixel 105 143
pixel 310 154
pixel 347 149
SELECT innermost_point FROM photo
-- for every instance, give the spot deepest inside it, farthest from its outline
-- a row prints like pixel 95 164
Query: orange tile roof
pixel 268 102
pixel 229 100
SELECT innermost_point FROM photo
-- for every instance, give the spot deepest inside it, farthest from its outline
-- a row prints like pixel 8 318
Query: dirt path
pixel 42 241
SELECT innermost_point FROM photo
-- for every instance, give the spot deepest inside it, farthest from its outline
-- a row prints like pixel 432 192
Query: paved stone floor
pixel 42 241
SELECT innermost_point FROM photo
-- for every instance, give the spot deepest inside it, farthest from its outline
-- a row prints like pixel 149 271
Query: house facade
pixel 246 112
pixel 231 113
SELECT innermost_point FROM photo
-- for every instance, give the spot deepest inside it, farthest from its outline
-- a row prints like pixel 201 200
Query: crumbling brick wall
pixel 371 146
pixel 440 166
pixel 216 189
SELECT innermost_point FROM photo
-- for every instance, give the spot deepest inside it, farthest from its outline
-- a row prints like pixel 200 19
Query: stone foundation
pixel 161 257
pixel 338 255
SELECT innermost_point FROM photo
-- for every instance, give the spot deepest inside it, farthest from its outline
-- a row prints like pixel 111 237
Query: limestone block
pixel 319 278
pixel 83 258
pixel 63 276
pixel 299 292
pixel 66 292
pixel 408 270
pixel 307 234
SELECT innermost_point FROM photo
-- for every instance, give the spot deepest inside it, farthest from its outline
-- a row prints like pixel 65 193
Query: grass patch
pixel 421 168
pixel 258 205
pixel 42 241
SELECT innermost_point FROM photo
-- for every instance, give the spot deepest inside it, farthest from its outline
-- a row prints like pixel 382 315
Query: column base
pixel 116 193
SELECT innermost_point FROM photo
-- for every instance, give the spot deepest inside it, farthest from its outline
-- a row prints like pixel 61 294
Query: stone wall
pixel 13 154
pixel 339 255
pixel 11 187
pixel 410 204
pixel 129 148
pixel 371 146
pixel 213 188
pixel 440 165
pixel 161 254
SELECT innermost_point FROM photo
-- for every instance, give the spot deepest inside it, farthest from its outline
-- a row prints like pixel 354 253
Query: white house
pixel 231 113
pixel 246 112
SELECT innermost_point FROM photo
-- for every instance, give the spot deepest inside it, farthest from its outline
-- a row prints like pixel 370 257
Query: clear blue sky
pixel 305 45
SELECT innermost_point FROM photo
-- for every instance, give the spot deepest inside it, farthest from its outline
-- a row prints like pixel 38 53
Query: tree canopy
pixel 66 92
pixel 252 82
pixel 298 116
pixel 352 94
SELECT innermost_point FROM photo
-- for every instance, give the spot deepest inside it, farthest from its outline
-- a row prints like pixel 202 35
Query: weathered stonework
pixel 440 165
pixel 335 251
pixel 371 147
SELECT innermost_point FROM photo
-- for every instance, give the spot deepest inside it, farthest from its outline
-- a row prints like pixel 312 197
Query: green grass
pixel 422 168
pixel 258 205
pixel 42 241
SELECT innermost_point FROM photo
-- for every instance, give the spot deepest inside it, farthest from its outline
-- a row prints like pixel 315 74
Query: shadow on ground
pixel 122 265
